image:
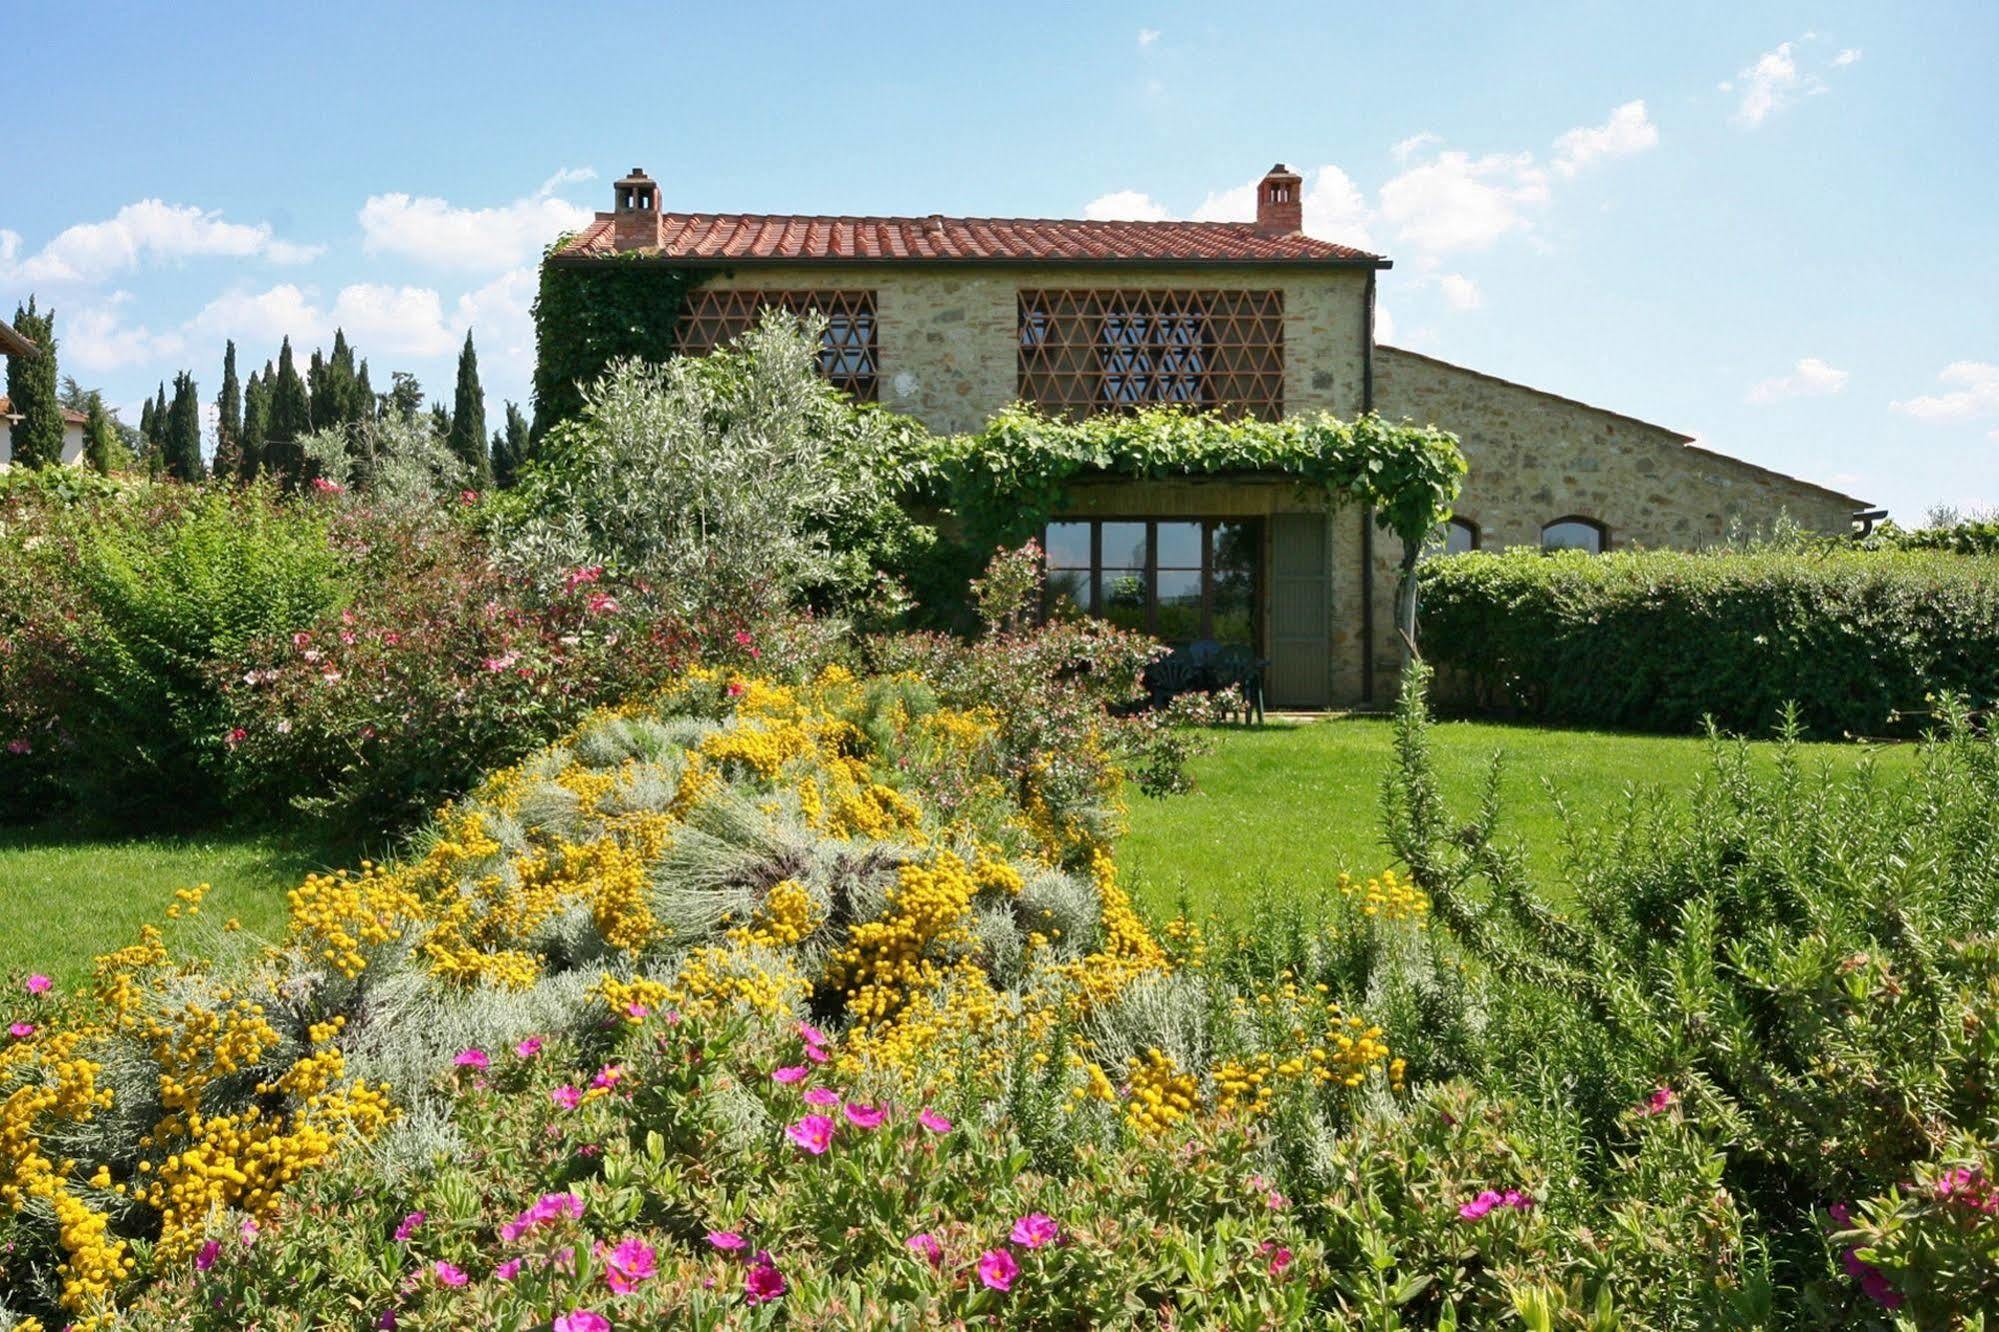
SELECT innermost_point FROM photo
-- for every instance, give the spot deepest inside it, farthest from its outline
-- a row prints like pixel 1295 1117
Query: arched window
pixel 1460 535
pixel 1574 533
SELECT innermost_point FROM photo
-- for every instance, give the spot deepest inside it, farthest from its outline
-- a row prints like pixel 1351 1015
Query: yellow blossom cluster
pixel 1388 898
pixel 1161 1094
pixel 928 919
pixel 1307 1039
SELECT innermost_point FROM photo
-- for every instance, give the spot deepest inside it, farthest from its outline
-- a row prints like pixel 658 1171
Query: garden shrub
pixel 1862 642
pixel 1801 964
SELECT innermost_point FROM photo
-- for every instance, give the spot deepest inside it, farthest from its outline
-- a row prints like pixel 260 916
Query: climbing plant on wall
pixel 588 315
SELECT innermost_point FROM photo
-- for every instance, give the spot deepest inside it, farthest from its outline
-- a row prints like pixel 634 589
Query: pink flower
pixel 602 603
pixel 821 1096
pixel 472 1059
pixel 21 1031
pixel 735 689
pixel 1657 1102
pixel 249 1230
pixel 1479 1206
pixel 408 1226
pixel 566 1096
pixel 728 1241
pixel 629 1264
pixel 237 735
pixel 501 662
pixel 301 639
pixel 810 1034
pixel 1956 1182
pixel 815 1054
pixel 39 984
pixel 1280 1258
pixel 449 1275
pixel 1840 1213
pixel 18 745
pixel 508 1270
pixel 637 1011
pixel 582 1320
pixel 814 1133
pixel 924 1244
pixel 576 578
pixel 205 1257
pixel 528 1048
pixel 790 1073
pixel 997 1269
pixel 866 1116
pixel 742 638
pixel 548 1207
pixel 762 1281
pixel 610 1075
pixel 933 1121
pixel 1036 1229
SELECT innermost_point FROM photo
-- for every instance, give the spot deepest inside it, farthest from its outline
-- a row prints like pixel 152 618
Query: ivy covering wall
pixel 588 315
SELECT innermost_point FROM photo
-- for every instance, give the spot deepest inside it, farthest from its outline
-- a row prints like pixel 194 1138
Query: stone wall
pixel 948 336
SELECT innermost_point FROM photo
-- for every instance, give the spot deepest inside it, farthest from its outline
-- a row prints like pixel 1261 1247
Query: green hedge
pixel 1658 640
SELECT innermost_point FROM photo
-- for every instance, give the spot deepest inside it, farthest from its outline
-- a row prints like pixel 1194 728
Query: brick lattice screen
pixel 1083 352
pixel 847 357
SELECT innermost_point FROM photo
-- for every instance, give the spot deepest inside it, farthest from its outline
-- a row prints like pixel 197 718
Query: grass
pixel 1294 805
pixel 67 895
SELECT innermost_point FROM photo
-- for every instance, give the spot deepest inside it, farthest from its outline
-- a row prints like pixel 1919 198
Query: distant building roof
pixel 7 409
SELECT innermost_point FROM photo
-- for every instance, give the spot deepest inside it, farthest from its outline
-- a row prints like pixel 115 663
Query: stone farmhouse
pixel 952 318
pixel 13 344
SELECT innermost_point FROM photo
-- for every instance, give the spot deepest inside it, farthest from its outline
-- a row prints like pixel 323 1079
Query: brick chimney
pixel 1280 203
pixel 635 219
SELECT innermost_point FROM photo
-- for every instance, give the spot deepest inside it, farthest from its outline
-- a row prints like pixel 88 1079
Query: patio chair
pixel 1237 666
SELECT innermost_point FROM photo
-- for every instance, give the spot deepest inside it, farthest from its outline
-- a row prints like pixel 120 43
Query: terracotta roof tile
pixel 723 237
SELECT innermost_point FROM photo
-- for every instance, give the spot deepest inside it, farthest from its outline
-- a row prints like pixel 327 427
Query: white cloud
pixel 98 339
pixel 149 230
pixel 1772 82
pixel 1976 394
pixel 402 321
pixel 1414 144
pixel 1809 378
pixel 502 329
pixel 1147 36
pixel 1384 322
pixel 1627 131
pixel 1125 206
pixel 566 176
pixel 1460 291
pixel 1850 56
pixel 262 318
pixel 433 231
pixel 1459 202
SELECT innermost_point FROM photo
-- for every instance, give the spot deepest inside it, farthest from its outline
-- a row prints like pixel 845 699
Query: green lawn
pixel 1296 804
pixel 66 896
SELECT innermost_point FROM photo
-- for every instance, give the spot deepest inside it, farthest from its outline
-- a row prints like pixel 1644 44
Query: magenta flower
pixel 728 1241
pixel 39 984
pixel 742 638
pixel 821 1096
pixel 815 1054
pixel 582 1320
pixel 997 1269
pixel 408 1226
pixel 866 1116
pixel 205 1257
pixel 933 1121
pixel 448 1274
pixel 925 1245
pixel 1840 1213
pixel 627 1265
pixel 609 1076
pixel 508 1270
pixel 762 1282
pixel 472 1059
pixel 1479 1206
pixel 810 1034
pixel 790 1073
pixel 249 1230
pixel 566 1096
pixel 528 1048
pixel 1657 1102
pixel 548 1207
pixel 814 1133
pixel 1280 1258
pixel 1036 1229
pixel 21 1031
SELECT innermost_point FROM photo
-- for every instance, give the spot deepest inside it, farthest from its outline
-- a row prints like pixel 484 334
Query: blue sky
pixel 1771 226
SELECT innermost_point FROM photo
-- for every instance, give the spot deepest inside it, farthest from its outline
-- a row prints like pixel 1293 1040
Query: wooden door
pixel 1300 611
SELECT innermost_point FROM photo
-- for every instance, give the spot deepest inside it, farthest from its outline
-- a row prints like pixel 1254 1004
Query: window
pixel 1460 535
pixel 1178 579
pixel 847 354
pixel 1084 352
pixel 1575 534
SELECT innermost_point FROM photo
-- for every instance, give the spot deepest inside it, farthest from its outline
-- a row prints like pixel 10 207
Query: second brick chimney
pixel 1280 202
pixel 635 218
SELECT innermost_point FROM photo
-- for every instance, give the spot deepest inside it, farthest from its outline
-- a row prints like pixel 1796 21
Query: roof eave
pixel 566 260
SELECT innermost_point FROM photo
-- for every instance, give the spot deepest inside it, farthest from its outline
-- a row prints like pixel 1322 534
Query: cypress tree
pixel 31 388
pixel 289 416
pixel 156 443
pixel 468 419
pixel 404 398
pixel 364 395
pixel 440 421
pixel 510 448
pixel 102 448
pixel 229 419
pixel 183 436
pixel 256 424
pixel 145 425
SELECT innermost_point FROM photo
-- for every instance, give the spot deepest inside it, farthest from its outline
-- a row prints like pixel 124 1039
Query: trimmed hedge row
pixel 1658 640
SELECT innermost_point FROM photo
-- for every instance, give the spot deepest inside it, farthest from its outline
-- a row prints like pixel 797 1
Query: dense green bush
pixel 1861 641
pixel 1801 965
